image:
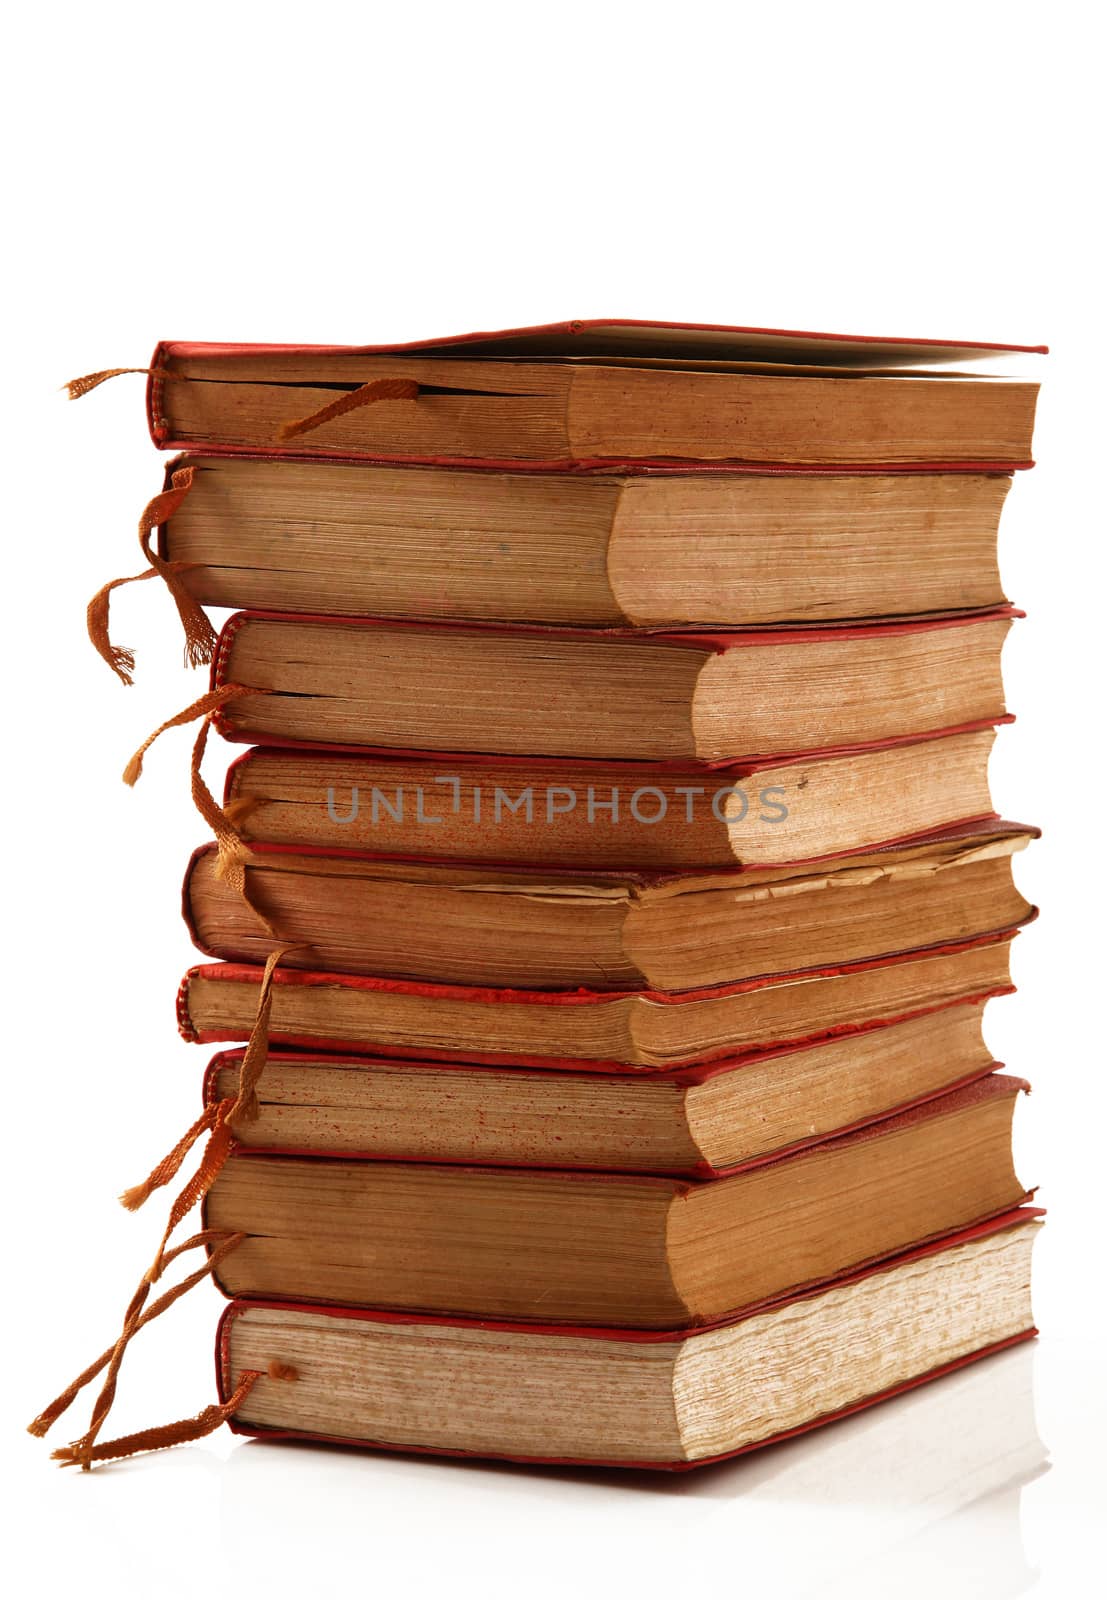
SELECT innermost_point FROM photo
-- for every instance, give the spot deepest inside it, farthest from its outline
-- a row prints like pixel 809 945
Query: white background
pixel 357 173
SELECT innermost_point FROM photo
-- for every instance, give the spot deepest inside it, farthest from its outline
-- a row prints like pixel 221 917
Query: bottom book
pixel 605 1396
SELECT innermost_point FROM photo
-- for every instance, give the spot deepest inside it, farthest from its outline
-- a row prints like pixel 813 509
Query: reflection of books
pixel 975 1554
pixel 939 1449
pixel 929 1489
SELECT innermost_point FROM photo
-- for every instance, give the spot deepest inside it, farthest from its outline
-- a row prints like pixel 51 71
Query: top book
pixel 580 395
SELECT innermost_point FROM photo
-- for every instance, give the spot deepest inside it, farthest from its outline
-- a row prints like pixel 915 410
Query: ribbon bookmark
pixel 76 387
pixel 233 851
pixel 200 636
pixel 367 395
pixel 171 1433
pixel 218 1245
pixel 218 1123
pixel 206 706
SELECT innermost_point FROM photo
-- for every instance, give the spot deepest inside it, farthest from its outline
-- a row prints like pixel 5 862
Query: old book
pixel 717 550
pixel 763 817
pixel 630 395
pixel 700 1120
pixel 602 1395
pixel 544 929
pixel 712 698
pixel 639 1251
pixel 587 1029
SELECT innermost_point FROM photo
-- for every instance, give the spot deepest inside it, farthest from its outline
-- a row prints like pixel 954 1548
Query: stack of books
pixel 618 881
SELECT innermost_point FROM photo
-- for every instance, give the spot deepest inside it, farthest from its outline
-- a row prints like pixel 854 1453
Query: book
pixel 701 1120
pixel 589 1029
pixel 599 1247
pixel 547 929
pixel 711 698
pixel 630 397
pixel 759 817
pixel 641 551
pixel 621 1398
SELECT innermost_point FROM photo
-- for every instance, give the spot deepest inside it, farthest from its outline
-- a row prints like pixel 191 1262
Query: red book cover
pixel 616 339
pixel 716 643
pixel 349 771
pixel 467 995
pixel 679 1077
pixel 878 944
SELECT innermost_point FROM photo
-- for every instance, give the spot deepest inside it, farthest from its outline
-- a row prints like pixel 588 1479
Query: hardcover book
pixel 702 1120
pixel 581 394
pixel 587 1029
pixel 645 551
pixel 762 818
pixel 546 929
pixel 682 697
